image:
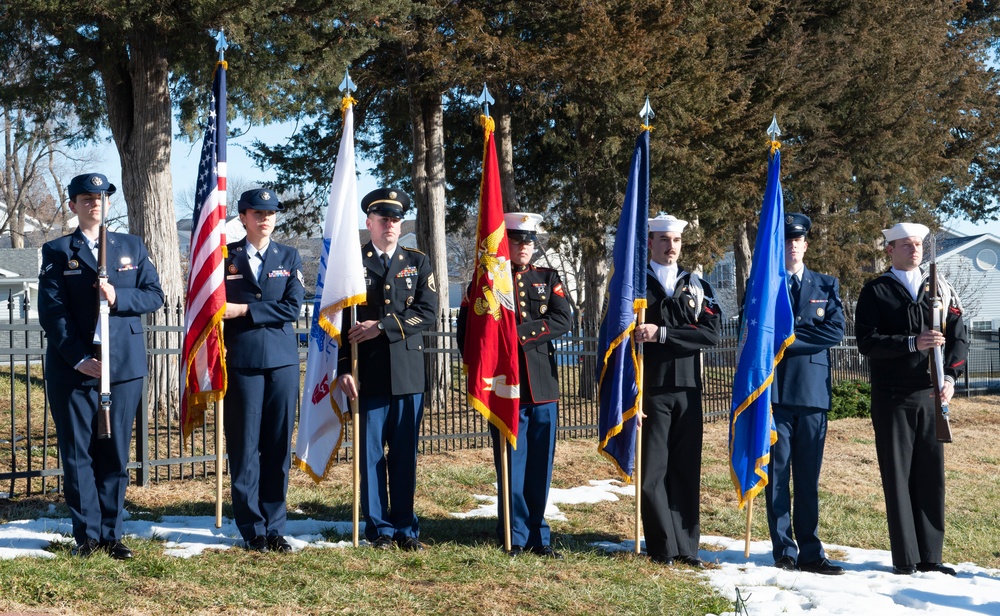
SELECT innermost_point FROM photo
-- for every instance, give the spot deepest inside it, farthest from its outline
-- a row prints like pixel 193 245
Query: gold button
pixel 522 303
pixel 524 314
pixel 524 337
pixel 533 333
pixel 387 287
pixel 522 293
pixel 520 284
pixel 257 296
pixel 387 301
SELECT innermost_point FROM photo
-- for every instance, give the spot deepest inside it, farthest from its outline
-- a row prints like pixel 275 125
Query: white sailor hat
pixel 666 223
pixel 522 225
pixel 905 229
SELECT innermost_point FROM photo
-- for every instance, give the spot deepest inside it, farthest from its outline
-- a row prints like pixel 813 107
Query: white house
pixel 970 265
pixel 19 279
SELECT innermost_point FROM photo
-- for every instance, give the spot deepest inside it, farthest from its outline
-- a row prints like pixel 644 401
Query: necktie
pixel 385 263
pixel 795 286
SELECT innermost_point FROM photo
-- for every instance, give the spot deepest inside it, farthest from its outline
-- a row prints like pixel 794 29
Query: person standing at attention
pixel 264 291
pixel 893 327
pixel 801 399
pixel 401 304
pixel 95 471
pixel 681 320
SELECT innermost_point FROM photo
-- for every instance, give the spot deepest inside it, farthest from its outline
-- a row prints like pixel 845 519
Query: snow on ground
pixel 868 587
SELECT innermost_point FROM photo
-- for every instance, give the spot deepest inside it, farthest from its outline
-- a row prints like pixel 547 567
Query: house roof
pixel 20 262
pixel 953 245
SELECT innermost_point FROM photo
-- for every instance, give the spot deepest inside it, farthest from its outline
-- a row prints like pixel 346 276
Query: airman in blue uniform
pixel 264 291
pixel 801 398
pixel 95 473
pixel 401 304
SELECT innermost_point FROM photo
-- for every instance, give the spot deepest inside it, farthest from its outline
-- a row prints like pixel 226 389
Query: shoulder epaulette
pixel 413 250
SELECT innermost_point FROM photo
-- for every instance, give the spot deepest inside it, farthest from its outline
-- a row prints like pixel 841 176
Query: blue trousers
pixel 389 479
pixel 799 448
pixel 259 414
pixel 95 470
pixel 530 471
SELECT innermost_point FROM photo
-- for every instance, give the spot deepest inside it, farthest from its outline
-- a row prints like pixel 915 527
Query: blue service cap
pixel 386 202
pixel 797 225
pixel 259 199
pixel 90 183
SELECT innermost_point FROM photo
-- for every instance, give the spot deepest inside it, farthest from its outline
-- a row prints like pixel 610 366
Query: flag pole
pixel 646 113
pixel 746 541
pixel 506 492
pixel 221 47
pixel 218 462
pixel 355 434
pixel 637 474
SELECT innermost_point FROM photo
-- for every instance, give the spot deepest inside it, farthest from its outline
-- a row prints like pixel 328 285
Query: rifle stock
pixel 936 356
pixel 101 333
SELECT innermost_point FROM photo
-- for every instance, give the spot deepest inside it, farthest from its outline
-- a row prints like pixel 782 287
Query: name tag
pixel 279 274
pixel 234 276
pixel 126 268
pixel 72 272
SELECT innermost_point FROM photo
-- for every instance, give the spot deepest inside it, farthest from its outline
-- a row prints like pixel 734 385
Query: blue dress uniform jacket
pixel 543 314
pixel 403 299
pixel 910 458
pixel 819 326
pixel 95 470
pixel 262 362
pixel 672 431
pixel 801 397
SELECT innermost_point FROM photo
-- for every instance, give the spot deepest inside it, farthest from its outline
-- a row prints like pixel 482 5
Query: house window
pixel 723 276
pixel 986 259
pixel 982 326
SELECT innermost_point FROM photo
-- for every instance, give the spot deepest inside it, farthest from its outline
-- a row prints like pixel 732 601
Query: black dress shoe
pixel 905 569
pixel 690 561
pixel 87 548
pixel 515 550
pixel 410 544
pixel 277 543
pixel 785 562
pixel 384 542
pixel 935 568
pixel 822 567
pixel 258 544
pixel 661 559
pixel 117 550
pixel 546 551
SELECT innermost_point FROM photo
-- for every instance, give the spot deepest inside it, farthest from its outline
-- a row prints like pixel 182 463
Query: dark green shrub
pixel 851 399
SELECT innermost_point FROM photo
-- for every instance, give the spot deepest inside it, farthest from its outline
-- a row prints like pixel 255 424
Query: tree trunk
pixel 742 255
pixel 139 113
pixel 427 115
pixel 505 155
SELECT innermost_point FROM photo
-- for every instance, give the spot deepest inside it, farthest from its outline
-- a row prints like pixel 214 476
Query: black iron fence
pixel 29 461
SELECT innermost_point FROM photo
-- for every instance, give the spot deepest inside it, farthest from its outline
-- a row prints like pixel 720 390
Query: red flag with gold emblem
pixel 490 352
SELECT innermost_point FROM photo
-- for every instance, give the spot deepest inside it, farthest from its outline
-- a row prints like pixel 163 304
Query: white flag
pixel 340 284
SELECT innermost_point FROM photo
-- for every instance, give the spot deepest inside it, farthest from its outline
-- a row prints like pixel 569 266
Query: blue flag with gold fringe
pixel 619 388
pixel 768 328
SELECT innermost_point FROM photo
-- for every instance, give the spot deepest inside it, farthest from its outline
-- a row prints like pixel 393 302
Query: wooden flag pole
pixel 637 473
pixel 506 492
pixel 746 542
pixel 355 435
pixel 218 462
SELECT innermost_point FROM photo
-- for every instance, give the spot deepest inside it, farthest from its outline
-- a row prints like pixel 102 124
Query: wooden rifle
pixel 941 422
pixel 101 335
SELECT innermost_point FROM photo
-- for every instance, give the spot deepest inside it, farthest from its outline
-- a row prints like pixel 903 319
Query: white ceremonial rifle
pixel 101 336
pixel 941 422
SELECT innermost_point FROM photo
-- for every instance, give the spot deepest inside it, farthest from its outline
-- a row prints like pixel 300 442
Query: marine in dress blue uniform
pixel 543 314
pixel 264 291
pixel 401 304
pixel 892 322
pixel 682 318
pixel 801 398
pixel 95 473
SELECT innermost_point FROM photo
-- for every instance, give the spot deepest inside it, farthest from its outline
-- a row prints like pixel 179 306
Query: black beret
pixel 386 202
pixel 259 199
pixel 797 225
pixel 90 183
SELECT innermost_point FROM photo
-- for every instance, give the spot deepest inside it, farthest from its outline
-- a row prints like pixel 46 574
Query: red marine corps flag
pixel 490 353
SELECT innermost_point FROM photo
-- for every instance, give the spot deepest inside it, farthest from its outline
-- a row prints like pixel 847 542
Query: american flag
pixel 204 370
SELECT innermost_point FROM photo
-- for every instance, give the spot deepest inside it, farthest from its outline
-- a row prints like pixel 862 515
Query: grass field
pixel 463 572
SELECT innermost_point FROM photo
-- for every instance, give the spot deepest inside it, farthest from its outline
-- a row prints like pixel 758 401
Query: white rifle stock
pixel 941 422
pixel 101 335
